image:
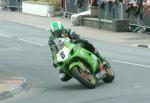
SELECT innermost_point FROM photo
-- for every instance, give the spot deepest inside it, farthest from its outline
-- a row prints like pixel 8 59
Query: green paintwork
pixel 76 57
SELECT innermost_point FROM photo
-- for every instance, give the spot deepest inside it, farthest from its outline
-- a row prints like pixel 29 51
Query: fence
pixel 139 21
pixel 111 11
pixel 71 7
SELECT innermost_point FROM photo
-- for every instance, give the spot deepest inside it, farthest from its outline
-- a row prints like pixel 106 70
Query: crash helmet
pixel 57 28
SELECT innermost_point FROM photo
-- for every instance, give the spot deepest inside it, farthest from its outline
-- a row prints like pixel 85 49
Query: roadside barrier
pixel 138 16
pixel 139 19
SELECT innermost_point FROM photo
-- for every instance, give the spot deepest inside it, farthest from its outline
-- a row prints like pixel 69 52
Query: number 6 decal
pixel 62 55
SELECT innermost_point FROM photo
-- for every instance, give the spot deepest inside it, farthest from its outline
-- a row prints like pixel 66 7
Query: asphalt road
pixel 24 50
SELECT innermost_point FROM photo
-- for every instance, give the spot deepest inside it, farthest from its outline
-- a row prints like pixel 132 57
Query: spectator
pixel 131 4
pixel 146 4
pixel 94 2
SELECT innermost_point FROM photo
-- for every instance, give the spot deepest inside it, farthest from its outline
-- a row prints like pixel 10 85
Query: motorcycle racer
pixel 58 31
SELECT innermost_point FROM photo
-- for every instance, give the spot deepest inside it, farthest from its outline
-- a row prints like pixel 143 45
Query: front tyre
pixel 84 77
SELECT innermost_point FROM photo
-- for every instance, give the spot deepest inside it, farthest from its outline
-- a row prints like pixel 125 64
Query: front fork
pixel 83 70
pixel 79 64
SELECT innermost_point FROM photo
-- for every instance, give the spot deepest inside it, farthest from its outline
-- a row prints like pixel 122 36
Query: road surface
pixel 24 50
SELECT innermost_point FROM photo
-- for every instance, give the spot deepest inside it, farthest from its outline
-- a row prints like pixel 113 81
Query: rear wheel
pixel 84 77
pixel 110 75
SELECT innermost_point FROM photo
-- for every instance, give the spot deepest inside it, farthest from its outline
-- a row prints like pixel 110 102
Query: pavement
pixel 10 83
pixel 133 39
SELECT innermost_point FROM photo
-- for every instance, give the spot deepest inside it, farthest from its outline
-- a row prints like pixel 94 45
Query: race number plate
pixel 62 55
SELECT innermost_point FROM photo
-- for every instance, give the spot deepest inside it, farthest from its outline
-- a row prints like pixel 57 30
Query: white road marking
pixel 47 29
pixel 4 35
pixel 138 86
pixel 39 44
pixel 141 65
pixel 135 45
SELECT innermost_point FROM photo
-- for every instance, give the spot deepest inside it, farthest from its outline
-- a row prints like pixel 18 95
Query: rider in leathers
pixel 58 30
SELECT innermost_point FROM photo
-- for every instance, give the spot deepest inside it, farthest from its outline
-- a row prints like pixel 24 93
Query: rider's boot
pixel 63 76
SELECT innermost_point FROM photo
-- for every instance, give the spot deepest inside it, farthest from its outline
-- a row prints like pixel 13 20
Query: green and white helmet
pixel 57 28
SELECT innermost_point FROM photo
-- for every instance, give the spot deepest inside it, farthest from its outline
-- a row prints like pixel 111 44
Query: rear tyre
pixel 85 78
pixel 110 76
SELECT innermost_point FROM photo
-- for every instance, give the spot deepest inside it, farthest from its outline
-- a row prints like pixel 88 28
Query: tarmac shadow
pixel 68 87
pixel 74 86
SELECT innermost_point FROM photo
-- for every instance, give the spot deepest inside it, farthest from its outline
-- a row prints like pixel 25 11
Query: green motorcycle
pixel 81 64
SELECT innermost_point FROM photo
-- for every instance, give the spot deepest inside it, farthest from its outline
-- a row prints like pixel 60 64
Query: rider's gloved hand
pixel 77 41
pixel 55 65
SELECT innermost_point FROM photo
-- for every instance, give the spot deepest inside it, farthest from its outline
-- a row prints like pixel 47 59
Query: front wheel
pixel 84 77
